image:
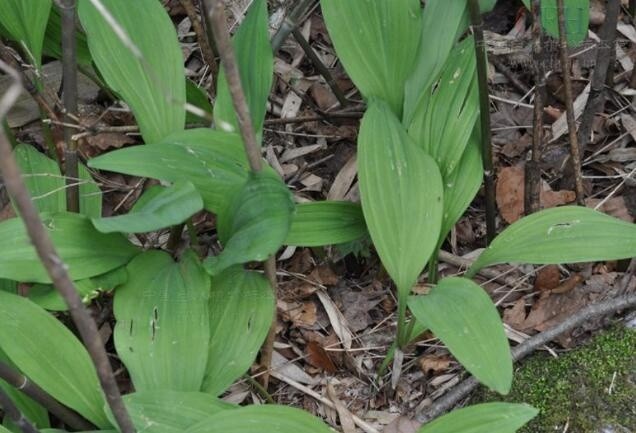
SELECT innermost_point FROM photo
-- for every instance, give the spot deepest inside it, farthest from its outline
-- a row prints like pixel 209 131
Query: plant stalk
pixel 532 188
pixel 575 151
pixel 290 23
pixel 484 110
pixel 204 44
pixel 68 12
pixel 215 16
pixel 31 389
pixel 54 266
pixel 14 414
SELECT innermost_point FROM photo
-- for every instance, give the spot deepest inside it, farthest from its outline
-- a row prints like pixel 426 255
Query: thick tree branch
pixel 54 265
pixel 14 414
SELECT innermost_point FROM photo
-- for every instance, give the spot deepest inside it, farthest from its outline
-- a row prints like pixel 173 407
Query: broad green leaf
pixel 90 196
pixel 462 185
pixel 25 21
pixel 442 23
pixel 256 67
pixel 8 285
pixel 198 97
pixel 213 161
pixel 241 313
pixel 261 419
pixel 255 223
pixel 162 330
pixel 85 251
pixel 377 42
pixel 50 355
pixel 401 190
pixel 31 409
pixel 483 418
pixel 149 76
pixel 461 314
pixel 167 206
pixel 577 19
pixel 47 297
pixel 568 234
pixel 166 411
pixel 444 119
pixel 326 223
pixel 42 178
pixel 53 41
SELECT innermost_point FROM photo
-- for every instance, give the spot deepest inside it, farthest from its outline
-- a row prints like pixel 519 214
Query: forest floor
pixel 336 306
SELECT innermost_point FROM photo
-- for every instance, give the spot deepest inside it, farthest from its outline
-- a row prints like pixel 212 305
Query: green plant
pixel 419 168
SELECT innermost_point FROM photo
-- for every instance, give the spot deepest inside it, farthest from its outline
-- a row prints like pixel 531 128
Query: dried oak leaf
pixel 433 363
pixel 319 358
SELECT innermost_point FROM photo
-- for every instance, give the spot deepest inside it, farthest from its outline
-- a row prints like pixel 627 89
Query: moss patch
pixel 574 388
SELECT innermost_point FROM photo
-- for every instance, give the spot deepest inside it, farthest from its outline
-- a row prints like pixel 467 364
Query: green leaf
pixel 444 120
pixel 198 97
pixel 261 419
pixel 25 21
pixel 8 285
pixel 568 234
pixel 53 41
pixel 84 250
pixel 443 22
pixel 483 418
pixel 164 207
pixel 162 318
pixel 461 314
pixel 577 19
pixel 462 185
pixel 149 77
pixel 255 223
pixel 241 313
pixel 51 356
pixel 377 42
pixel 401 190
pixel 256 67
pixel 90 196
pixel 167 411
pixel 55 430
pixel 47 297
pixel 326 223
pixel 42 178
pixel 213 161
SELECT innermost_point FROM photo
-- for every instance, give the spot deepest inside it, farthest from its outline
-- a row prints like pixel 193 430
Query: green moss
pixel 574 388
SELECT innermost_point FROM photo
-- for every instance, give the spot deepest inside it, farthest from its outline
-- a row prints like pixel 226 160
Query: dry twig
pixel 575 152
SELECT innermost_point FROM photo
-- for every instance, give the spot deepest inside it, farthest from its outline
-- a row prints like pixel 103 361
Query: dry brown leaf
pixel 510 194
pixel 343 181
pixel 433 363
pixel 337 320
pixel 547 278
pixel 402 424
pixel 516 316
pixel 346 418
pixel 302 314
pixel 615 207
pixel 323 274
pixel 99 143
pixel 319 358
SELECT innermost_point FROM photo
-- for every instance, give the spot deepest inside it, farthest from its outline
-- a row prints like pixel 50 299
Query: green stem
pixel 433 275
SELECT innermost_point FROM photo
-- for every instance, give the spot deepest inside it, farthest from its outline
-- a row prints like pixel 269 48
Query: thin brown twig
pixel 524 349
pixel 290 23
pixel 204 44
pixel 484 102
pixel 575 151
pixel 53 264
pixel 33 390
pixel 320 66
pixel 532 189
pixel 326 117
pixel 602 67
pixel 215 15
pixel 68 12
pixel 14 414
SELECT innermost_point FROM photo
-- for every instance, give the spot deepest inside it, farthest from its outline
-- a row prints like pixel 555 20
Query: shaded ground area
pixel 590 389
